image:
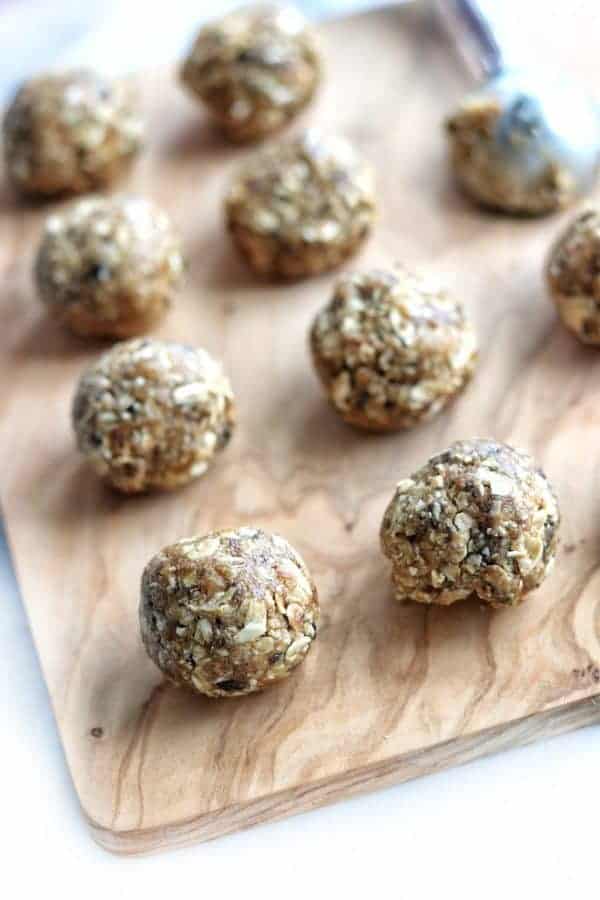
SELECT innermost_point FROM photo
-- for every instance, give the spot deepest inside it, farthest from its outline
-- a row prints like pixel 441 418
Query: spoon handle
pixel 474 34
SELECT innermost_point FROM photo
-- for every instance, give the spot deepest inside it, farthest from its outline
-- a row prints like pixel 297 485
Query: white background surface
pixel 522 824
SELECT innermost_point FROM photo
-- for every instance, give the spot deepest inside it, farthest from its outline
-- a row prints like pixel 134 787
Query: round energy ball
pixel 391 349
pixel 152 414
pixel 70 132
pixel 255 69
pixel 479 520
pixel 228 613
pixel 525 145
pixel 301 207
pixel 573 277
pixel 109 266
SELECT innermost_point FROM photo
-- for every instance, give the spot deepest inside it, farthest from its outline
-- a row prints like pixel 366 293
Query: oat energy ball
pixel 479 520
pixel 525 145
pixel 391 349
pixel 255 69
pixel 228 613
pixel 152 414
pixel 480 170
pixel 70 132
pixel 109 266
pixel 573 276
pixel 301 207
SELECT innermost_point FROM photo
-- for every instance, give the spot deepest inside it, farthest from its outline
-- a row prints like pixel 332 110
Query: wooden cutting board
pixel 388 692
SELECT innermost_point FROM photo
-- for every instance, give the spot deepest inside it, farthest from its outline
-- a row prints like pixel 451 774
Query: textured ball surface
pixel 301 207
pixel 573 277
pixel 228 613
pixel 70 132
pixel 525 143
pixel 255 69
pixel 391 349
pixel 109 266
pixel 152 414
pixel 479 520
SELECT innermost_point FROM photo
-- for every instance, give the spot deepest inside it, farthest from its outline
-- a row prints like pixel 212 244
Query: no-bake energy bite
pixel 70 132
pixel 573 277
pixel 228 613
pixel 152 414
pixel 479 520
pixel 391 349
pixel 255 69
pixel 109 266
pixel 482 171
pixel 301 207
pixel 525 145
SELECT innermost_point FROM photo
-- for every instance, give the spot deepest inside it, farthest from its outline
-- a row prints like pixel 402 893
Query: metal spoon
pixel 523 143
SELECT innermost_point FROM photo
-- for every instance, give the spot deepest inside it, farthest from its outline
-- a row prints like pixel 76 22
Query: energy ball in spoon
pixel 152 414
pixel 228 613
pixel 479 520
pixel 391 349
pixel 573 277
pixel 70 132
pixel 301 207
pixel 525 145
pixel 255 69
pixel 109 266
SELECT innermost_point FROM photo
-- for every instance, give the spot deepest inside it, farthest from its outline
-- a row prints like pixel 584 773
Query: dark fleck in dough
pixel 228 613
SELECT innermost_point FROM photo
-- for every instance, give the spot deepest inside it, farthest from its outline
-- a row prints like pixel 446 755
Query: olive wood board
pixel 388 692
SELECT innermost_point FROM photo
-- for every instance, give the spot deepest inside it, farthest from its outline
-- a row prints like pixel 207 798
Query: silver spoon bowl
pixel 525 142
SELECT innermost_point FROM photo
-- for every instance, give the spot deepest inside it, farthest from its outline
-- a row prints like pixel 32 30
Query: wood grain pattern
pixel 387 693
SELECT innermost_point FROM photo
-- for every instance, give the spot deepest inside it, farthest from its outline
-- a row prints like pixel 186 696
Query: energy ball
pixel 109 266
pixel 255 69
pixel 152 414
pixel 391 349
pixel 573 277
pixel 479 520
pixel 228 613
pixel 301 207
pixel 525 145
pixel 70 132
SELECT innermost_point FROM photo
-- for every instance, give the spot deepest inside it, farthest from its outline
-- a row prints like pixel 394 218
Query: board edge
pixel 395 770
